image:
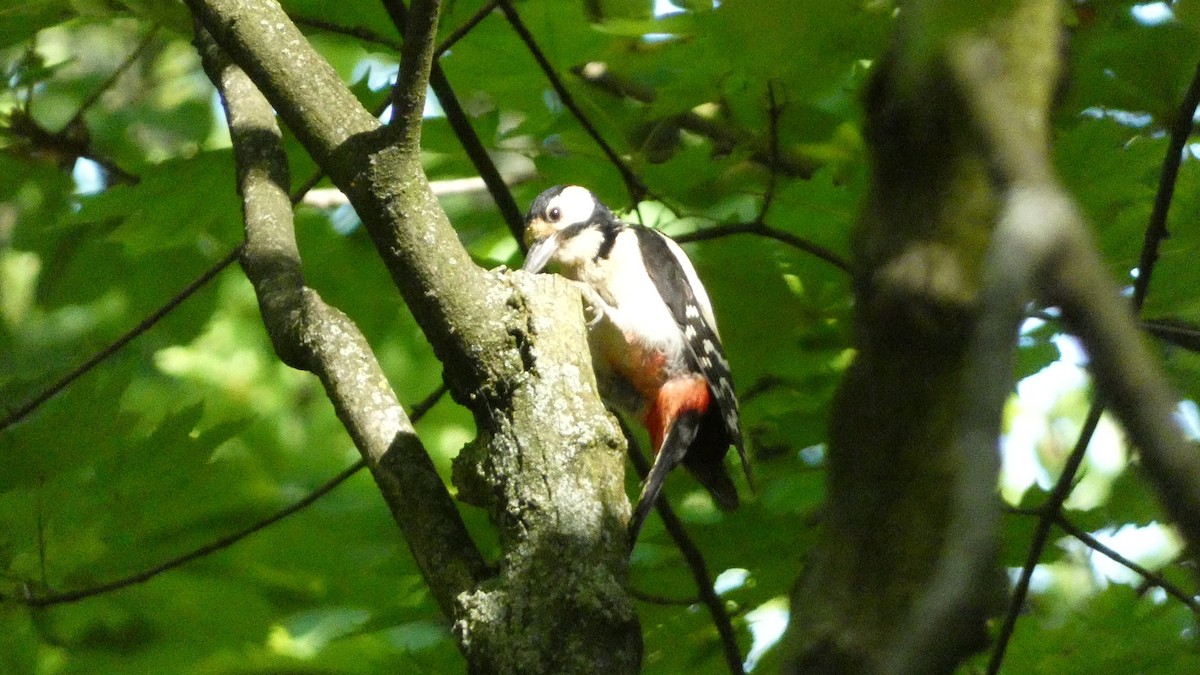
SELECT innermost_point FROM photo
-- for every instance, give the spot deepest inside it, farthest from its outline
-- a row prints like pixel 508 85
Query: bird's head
pixel 566 224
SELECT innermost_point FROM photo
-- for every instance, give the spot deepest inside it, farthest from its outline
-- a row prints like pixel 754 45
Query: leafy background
pixel 117 192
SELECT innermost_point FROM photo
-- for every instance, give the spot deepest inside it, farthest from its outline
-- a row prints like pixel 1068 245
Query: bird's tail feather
pixel 674 447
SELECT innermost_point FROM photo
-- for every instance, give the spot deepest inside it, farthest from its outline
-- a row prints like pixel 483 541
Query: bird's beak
pixel 540 253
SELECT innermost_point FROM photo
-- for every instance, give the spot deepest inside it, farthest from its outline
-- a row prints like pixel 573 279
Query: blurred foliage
pixel 116 190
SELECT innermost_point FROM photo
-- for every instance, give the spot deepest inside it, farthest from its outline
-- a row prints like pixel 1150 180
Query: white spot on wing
pixel 694 282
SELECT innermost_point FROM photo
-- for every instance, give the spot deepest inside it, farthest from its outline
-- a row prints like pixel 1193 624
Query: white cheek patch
pixel 576 204
pixel 579 250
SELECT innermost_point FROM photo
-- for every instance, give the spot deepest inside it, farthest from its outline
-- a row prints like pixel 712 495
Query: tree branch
pixel 724 137
pixel 143 46
pixel 99 357
pixel 460 123
pixel 694 558
pixel 1156 230
pixel 1040 249
pixel 379 169
pixel 65 146
pixel 418 411
pixel 416 60
pixel 762 229
pixel 459 33
pixel 309 334
pixel 146 323
pixel 1051 510
pixel 557 601
pixel 1151 577
pixel 356 32
pixel 221 544
pixel 637 189
pixel 964 226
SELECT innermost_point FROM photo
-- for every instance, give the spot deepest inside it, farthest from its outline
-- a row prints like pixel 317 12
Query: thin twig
pixel 773 161
pixel 1156 231
pixel 723 136
pixel 144 325
pixel 213 547
pixel 460 123
pixel 418 411
pixel 112 78
pixel 461 32
pixel 1041 535
pixel 695 561
pixel 357 32
pixel 1151 577
pixel 637 189
pixel 41 529
pixel 69 143
pixel 478 154
pixel 764 230
pixel 1175 332
pixel 371 36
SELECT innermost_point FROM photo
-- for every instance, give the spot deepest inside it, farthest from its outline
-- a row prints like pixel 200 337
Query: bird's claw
pixel 593 305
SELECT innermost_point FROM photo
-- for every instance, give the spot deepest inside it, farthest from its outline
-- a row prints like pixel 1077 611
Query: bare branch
pixel 221 544
pixel 637 189
pixel 1050 510
pixel 764 230
pixel 1175 332
pixel 1151 577
pixel 694 558
pixel 311 335
pixel 144 325
pixel 72 141
pixel 1156 230
pixel 724 136
pixel 368 35
pixel 460 123
pixel 459 33
pixel 416 60
pixel 964 226
pixel 379 169
pixel 357 32
pixel 773 113
pixel 652 599
pixel 143 46
pixel 65 146
pixel 418 411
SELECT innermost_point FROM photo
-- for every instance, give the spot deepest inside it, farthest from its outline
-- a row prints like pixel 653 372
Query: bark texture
pixel 548 461
pixel 964 226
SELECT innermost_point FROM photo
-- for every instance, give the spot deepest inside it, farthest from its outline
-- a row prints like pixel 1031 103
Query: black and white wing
pixel 680 287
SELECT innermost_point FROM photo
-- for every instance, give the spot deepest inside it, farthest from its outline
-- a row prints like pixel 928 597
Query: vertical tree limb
pixel 311 335
pixel 548 462
pixel 965 225
pixel 460 123
pixel 694 558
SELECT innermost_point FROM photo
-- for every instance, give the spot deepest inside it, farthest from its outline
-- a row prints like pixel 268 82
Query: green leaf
pixel 155 214
pixel 23 19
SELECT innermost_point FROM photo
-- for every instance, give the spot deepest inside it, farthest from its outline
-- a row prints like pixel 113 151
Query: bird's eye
pixel 554 214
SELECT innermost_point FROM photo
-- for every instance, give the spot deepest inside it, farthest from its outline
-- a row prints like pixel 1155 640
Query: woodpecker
pixel 653 338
